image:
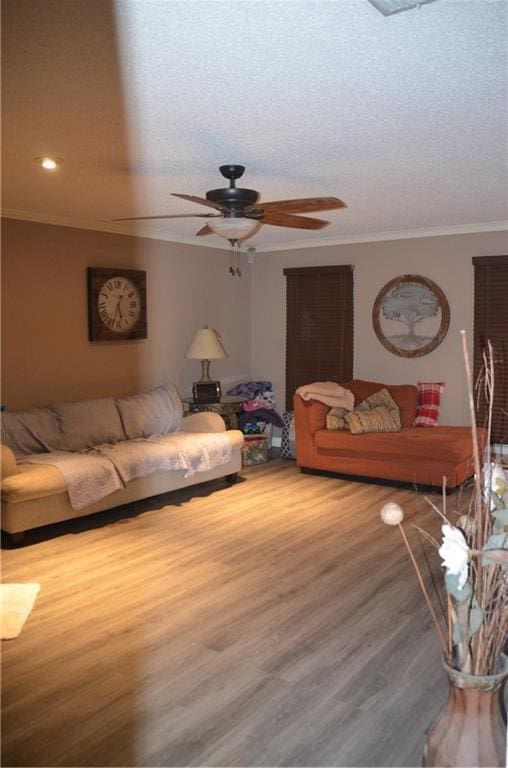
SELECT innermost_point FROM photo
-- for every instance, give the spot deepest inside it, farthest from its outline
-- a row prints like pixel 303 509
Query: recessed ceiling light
pixel 48 163
pixel 389 7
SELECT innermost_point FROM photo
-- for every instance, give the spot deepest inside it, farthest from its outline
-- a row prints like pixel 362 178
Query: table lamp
pixel 206 346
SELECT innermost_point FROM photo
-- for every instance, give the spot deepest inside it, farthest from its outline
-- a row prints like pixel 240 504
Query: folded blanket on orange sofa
pixel 329 393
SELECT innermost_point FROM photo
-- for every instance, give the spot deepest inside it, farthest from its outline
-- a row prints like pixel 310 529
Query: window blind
pixel 319 326
pixel 491 323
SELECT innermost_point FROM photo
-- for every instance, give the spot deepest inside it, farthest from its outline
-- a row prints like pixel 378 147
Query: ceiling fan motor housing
pixel 231 197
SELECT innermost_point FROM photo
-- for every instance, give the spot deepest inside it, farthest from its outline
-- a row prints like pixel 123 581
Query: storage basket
pixel 255 449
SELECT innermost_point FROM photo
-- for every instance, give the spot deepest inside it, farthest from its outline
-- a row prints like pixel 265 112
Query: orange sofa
pixel 420 455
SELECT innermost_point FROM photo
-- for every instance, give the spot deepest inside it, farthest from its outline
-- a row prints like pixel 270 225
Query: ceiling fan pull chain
pixel 238 261
pixel 231 263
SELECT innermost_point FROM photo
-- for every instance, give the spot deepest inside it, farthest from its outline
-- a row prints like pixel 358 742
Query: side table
pixel 228 407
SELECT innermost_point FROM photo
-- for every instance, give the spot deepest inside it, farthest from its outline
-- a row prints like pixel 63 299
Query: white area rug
pixel 16 603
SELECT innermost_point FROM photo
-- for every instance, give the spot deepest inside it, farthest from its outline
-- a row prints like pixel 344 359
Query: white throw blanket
pixel 88 476
pixel 329 393
pixel 92 475
pixel 187 451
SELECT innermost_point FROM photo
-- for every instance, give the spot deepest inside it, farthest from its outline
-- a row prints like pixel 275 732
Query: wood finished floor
pixel 276 622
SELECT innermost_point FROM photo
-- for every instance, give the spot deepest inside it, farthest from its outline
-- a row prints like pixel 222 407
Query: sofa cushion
pixel 403 394
pixel 87 423
pixel 448 444
pixel 33 431
pixel 156 412
pixel 335 418
pixel 379 419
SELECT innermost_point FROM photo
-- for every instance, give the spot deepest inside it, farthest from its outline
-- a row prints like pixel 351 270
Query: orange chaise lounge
pixel 420 455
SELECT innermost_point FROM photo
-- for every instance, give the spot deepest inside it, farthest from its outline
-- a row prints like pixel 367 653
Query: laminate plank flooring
pixel 275 622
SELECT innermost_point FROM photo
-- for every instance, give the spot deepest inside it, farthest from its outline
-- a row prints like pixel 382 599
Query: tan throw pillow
pixel 335 418
pixel 378 419
pixel 382 397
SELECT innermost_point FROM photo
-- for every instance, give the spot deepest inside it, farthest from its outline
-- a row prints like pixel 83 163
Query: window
pixel 319 326
pixel 491 323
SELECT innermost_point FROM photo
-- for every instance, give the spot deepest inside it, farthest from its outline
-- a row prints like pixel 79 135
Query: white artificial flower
pixel 498 481
pixel 454 553
pixel 392 514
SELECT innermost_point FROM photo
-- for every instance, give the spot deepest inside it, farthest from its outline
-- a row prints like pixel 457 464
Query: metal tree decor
pixel 411 316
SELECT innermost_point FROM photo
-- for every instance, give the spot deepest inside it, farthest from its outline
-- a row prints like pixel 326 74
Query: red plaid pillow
pixel 428 402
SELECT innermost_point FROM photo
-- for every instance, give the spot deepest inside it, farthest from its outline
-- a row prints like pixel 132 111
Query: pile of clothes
pixel 258 407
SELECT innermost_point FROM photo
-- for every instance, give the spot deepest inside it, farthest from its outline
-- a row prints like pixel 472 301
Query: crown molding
pixel 403 234
pixel 98 226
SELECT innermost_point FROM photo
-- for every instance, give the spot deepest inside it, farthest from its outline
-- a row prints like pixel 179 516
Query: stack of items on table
pixel 257 420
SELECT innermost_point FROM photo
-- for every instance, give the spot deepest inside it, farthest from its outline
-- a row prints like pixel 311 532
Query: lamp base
pixel 205 371
pixel 206 391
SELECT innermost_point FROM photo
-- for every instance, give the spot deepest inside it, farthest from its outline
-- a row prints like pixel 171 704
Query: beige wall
pixel 445 260
pixel 46 355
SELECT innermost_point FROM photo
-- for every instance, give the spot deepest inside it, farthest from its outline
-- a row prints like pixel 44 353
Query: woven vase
pixel 470 732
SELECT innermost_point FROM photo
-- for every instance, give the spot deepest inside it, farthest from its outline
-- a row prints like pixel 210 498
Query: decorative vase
pixel 470 731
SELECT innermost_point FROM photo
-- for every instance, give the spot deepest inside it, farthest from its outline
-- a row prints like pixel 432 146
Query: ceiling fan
pixel 241 214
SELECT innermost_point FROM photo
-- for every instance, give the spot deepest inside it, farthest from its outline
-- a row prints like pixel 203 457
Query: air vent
pixel 389 7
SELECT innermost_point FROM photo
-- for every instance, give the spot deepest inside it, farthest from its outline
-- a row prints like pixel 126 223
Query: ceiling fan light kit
pixel 232 227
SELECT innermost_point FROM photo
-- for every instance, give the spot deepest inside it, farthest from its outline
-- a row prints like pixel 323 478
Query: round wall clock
pixel 116 304
pixel 411 316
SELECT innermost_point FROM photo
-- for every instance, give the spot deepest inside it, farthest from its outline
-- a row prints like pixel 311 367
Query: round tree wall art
pixel 411 316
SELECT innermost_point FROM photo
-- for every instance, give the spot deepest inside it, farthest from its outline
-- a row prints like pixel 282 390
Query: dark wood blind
pixel 491 323
pixel 319 326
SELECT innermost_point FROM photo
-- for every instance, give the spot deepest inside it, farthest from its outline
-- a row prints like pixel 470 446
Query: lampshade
pixel 206 346
pixel 232 227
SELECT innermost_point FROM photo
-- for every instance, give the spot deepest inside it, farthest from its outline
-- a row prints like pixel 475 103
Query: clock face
pixel 119 304
pixel 116 304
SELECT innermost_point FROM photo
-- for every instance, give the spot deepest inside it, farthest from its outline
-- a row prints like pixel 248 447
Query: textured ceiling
pixel 404 118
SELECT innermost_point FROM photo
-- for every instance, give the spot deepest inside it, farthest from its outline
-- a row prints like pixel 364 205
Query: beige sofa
pixel 37 488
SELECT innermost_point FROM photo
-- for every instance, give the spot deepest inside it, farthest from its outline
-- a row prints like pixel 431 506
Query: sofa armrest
pixel 8 463
pixel 310 415
pixel 205 421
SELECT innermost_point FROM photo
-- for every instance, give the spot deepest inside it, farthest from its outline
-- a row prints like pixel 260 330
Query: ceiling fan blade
pixel 199 200
pixel 204 231
pixel 279 219
pixel 168 216
pixel 303 205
